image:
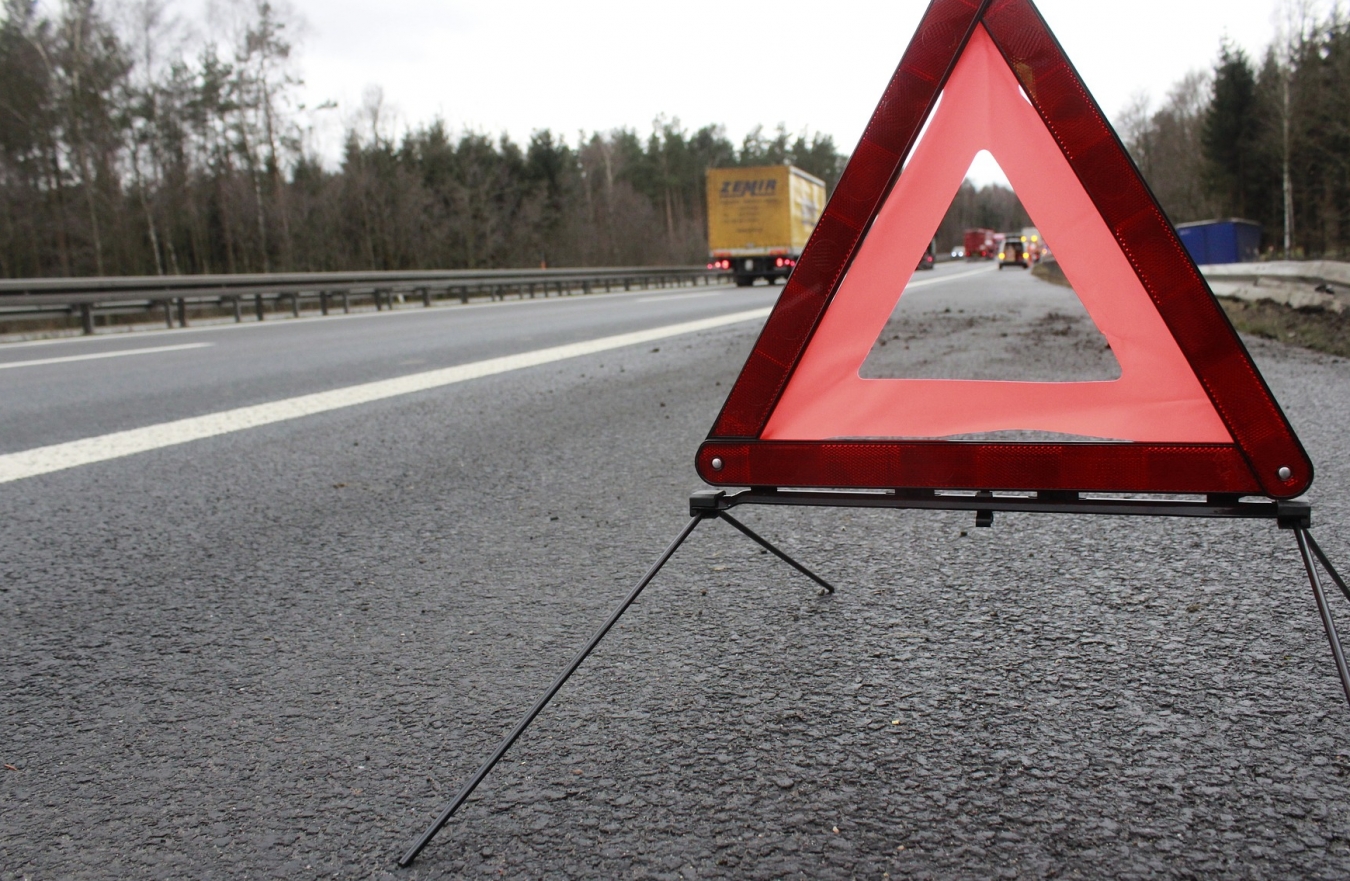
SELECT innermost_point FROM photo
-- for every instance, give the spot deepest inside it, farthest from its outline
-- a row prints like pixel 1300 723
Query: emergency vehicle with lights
pixel 980 244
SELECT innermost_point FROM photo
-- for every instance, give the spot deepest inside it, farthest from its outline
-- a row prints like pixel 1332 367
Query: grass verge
pixel 1318 329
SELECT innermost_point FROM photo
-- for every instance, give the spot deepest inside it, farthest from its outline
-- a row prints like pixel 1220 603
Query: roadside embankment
pixel 1303 303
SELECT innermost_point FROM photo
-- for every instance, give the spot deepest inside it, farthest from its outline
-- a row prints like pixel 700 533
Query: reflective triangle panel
pixel 1189 413
pixel 1157 397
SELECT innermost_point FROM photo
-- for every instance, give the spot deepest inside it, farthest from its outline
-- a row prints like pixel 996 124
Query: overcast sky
pixel 501 66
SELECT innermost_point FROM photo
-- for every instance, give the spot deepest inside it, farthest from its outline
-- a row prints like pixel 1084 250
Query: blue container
pixel 1222 241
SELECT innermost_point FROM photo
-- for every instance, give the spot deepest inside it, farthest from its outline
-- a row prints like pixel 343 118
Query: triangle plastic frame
pixel 1265 457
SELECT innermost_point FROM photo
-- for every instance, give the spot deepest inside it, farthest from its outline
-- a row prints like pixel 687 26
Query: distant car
pixel 929 256
pixel 1013 254
pixel 958 253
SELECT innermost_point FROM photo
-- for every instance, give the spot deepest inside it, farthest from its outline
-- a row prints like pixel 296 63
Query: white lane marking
pixel 663 298
pixel 58 457
pixel 946 278
pixel 96 355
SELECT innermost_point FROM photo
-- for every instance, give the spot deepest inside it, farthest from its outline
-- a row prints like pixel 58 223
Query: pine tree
pixel 1231 133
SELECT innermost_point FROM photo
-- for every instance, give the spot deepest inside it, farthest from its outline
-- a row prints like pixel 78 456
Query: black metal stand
pixel 716 504
pixel 1306 544
pixel 1295 516
pixel 697 517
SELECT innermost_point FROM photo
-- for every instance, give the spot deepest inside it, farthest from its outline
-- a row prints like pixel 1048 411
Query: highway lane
pixel 248 364
pixel 275 653
pixel 57 392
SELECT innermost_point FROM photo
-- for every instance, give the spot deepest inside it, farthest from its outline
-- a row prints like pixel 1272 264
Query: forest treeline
pixel 126 153
pixel 128 148
pixel 1265 138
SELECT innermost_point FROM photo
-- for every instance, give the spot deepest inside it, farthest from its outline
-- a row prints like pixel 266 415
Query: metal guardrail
pixel 47 298
pixel 1311 284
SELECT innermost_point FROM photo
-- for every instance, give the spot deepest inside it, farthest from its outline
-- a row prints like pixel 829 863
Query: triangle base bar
pixel 1296 514
pixel 1084 467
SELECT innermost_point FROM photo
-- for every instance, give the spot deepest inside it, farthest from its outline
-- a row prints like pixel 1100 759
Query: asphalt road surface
pixel 275 651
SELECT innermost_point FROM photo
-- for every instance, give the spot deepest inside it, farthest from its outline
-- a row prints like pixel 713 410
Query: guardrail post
pixel 426 297
pixel 168 313
pixel 295 305
pixel 378 306
pixel 323 302
pixel 585 286
pixel 87 318
pixel 258 305
pixel 182 311
pixel 238 313
pixel 346 303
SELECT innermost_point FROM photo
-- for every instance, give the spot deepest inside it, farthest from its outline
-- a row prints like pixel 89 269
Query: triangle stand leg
pixel 1312 554
pixel 1326 564
pixel 487 766
pixel 764 543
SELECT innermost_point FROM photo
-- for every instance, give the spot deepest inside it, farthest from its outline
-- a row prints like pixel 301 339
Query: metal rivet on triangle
pixel 1285 473
pixel 717 464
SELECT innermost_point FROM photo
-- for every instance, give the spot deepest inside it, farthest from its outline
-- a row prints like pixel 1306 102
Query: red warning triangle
pixel 1190 413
